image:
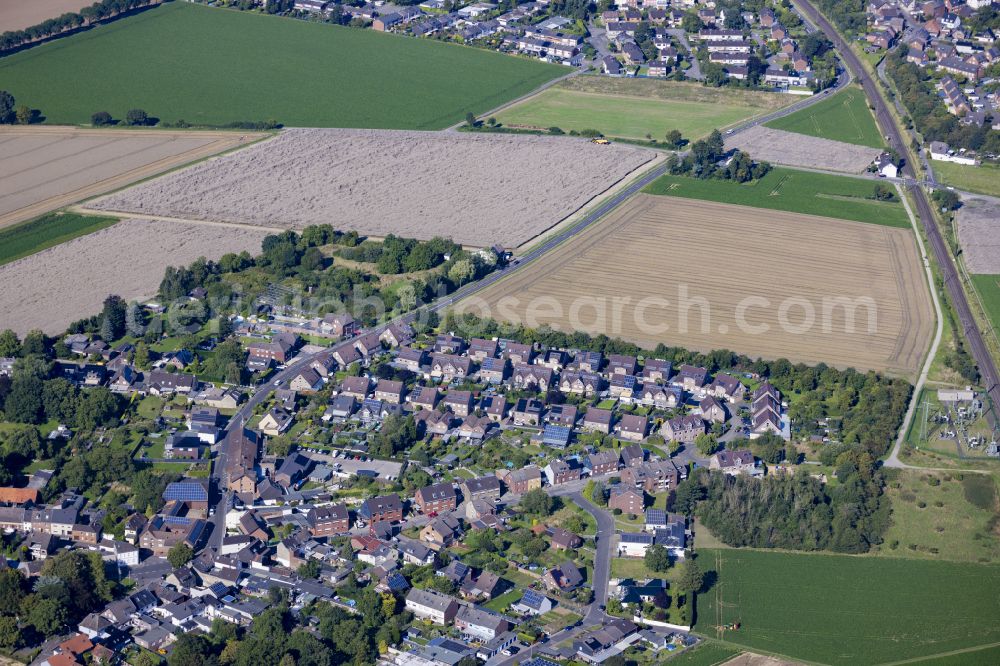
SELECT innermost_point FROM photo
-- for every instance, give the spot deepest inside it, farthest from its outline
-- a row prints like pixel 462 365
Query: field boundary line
pixel 83 210
pixel 917 660
pixel 757 650
pixel 568 223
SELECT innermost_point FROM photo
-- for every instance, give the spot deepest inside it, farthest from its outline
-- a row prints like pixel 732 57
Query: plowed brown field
pixel 707 276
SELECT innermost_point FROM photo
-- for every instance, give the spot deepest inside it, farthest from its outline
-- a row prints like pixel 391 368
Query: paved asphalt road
pixel 942 253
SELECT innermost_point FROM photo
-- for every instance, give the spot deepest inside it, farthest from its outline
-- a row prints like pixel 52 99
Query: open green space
pixel 839 609
pixel 213 66
pixel 989 656
pixel 633 108
pixel 27 238
pixel 988 288
pixel 844 116
pixel 707 653
pixel 794 191
pixel 942 516
pixel 984 178
pixel 499 604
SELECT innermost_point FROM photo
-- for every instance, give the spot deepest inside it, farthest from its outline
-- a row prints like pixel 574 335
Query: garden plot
pixel 800 150
pixel 478 189
pixel 50 289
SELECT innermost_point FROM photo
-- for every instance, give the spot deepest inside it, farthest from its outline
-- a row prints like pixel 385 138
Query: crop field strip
pixel 327 76
pixel 837 609
pixel 652 246
pixel 45 168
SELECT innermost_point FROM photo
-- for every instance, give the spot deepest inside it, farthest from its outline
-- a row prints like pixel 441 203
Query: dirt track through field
pixel 738 269
pixel 55 287
pixel 45 168
pixel 478 189
pixel 800 150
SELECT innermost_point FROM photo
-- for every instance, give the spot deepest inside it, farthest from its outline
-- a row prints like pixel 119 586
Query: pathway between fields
pixel 893 459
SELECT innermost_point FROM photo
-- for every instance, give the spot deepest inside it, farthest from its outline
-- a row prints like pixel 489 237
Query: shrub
pixel 922 504
pixel 101 118
pixel 136 117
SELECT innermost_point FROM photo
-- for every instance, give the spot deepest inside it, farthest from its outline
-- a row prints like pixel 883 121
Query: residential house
pixel 727 387
pixel 479 624
pixel 532 603
pixel 356 387
pixel 633 427
pixel 683 428
pixel 653 477
pixel 598 420
pixel 436 498
pixel 564 577
pixel 484 488
pixel 306 381
pixel 441 532
pixel 432 606
pixel 740 461
pixel 389 391
pixel 602 462
pixel 712 410
pixel 459 402
pixel 383 508
pixel 563 471
pixel 328 520
pixel 627 498
pixel 522 480
pixel 528 412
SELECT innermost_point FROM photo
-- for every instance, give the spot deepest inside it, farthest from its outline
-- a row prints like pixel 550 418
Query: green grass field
pixel 984 178
pixel 844 116
pixel 794 191
pixel 46 231
pixel 214 66
pixel 836 609
pixel 633 108
pixel 988 288
pixel 948 526
pixel 626 117
pixel 707 653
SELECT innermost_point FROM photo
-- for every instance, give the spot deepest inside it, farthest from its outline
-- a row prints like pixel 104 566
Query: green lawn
pixel 708 653
pixel 845 116
pixel 988 288
pixel 837 609
pixel 506 599
pixel 794 191
pixel 214 66
pixel 46 231
pixel 984 178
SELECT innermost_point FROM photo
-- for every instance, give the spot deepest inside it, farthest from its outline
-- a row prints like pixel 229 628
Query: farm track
pixel 668 237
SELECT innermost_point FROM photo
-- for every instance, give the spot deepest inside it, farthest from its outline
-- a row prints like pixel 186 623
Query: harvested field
pixel 52 288
pixel 800 150
pixel 21 14
pixel 42 168
pixel 979 234
pixel 478 189
pixel 710 276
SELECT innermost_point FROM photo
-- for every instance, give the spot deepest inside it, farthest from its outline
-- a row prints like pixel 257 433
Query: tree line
pixel 99 11
pixel 706 159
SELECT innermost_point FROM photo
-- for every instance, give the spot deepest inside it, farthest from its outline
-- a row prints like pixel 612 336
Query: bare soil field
pixel 979 234
pixel 57 286
pixel 44 168
pixel 707 276
pixel 20 14
pixel 800 150
pixel 478 189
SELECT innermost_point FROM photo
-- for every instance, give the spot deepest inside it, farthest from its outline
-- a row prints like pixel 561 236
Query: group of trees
pixel 402 255
pixel 707 160
pixel 99 11
pixel 71 584
pixel 330 288
pixel 930 117
pixel 797 512
pixel 11 112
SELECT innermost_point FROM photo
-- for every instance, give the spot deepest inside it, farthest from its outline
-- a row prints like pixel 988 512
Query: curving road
pixel 942 253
